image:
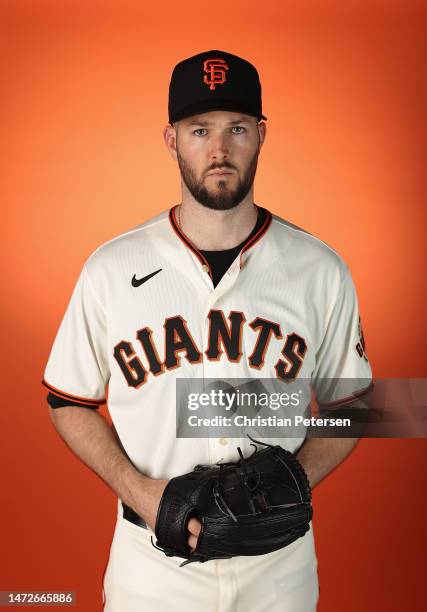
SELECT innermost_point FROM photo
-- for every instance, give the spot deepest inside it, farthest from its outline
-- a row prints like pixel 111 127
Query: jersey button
pixel 223 441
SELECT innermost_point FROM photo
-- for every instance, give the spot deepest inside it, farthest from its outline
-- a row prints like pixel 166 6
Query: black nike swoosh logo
pixel 136 282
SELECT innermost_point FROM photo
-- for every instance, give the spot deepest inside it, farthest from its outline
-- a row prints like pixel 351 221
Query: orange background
pixel 83 103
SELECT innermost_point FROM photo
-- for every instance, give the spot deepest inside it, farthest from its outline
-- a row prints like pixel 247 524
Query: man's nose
pixel 219 146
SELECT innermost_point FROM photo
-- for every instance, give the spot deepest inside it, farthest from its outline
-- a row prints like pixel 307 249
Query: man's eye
pixel 239 129
pixel 199 130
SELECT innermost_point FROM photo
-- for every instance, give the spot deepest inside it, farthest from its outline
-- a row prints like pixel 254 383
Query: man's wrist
pixel 308 472
pixel 134 485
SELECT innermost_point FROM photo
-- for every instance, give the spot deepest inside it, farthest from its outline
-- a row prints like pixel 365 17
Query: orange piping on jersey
pixel 348 399
pixel 186 241
pixel 83 400
pixel 264 227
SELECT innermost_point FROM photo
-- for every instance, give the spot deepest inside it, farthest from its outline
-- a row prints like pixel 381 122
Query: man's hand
pixel 153 491
pixel 194 527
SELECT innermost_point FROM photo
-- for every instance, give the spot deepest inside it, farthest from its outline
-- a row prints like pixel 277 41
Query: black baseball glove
pixel 251 507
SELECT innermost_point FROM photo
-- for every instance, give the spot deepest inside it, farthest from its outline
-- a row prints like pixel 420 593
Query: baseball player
pixel 215 287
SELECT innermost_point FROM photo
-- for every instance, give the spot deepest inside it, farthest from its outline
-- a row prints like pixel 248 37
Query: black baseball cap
pixel 214 80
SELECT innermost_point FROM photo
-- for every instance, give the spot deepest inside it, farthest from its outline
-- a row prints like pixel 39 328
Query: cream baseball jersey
pixel 145 312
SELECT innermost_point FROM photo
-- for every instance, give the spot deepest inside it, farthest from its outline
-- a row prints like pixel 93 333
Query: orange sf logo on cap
pixel 215 72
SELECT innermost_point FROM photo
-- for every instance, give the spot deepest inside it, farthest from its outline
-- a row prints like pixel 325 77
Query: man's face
pixel 217 154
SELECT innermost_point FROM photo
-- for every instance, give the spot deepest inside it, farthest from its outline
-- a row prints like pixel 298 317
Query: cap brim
pixel 207 106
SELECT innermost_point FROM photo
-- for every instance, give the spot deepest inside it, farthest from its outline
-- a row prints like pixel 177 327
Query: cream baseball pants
pixel 139 578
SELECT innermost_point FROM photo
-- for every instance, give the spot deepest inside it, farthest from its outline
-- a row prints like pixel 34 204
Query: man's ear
pixel 262 131
pixel 170 137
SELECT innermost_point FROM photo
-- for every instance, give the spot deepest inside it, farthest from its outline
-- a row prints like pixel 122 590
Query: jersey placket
pixel 217 447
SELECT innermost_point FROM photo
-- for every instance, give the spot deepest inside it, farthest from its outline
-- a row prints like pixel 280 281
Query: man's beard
pixel 224 198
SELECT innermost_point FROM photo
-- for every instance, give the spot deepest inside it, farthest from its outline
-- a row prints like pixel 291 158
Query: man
pixel 216 287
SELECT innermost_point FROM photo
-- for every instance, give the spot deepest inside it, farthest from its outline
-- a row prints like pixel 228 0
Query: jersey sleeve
pixel 342 371
pixel 77 368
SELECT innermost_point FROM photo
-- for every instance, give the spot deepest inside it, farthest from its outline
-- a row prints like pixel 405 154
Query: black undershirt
pixel 219 262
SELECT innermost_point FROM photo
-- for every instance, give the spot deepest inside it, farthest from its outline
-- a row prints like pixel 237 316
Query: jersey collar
pixel 248 245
